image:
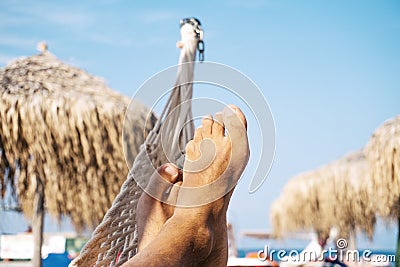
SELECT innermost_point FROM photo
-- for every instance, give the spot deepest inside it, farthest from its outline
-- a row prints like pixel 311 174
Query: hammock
pixel 114 241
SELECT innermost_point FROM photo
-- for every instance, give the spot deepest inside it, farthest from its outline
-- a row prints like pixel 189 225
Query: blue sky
pixel 329 69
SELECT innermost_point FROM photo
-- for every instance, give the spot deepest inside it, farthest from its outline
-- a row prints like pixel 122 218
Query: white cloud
pixel 157 16
pixel 54 14
pixel 68 18
pixel 75 21
pixel 17 41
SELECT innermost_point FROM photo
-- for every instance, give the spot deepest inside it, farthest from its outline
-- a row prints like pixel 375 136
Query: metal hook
pixel 199 34
pixel 200 47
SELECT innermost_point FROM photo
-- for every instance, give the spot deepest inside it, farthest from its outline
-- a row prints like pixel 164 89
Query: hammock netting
pixel 114 241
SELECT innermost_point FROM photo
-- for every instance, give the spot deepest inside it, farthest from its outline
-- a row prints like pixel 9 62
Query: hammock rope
pixel 114 241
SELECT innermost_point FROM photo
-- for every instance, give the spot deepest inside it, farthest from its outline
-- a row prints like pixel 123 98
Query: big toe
pixel 234 120
pixel 236 126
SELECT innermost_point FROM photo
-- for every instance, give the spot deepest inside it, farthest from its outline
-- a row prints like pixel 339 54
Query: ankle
pixel 199 231
pixel 197 215
pixel 203 242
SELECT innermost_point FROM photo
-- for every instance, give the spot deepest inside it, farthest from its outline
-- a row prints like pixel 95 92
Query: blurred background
pixel 328 69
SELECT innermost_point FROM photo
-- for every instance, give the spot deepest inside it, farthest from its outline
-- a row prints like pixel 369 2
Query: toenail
pixel 171 171
pixel 229 111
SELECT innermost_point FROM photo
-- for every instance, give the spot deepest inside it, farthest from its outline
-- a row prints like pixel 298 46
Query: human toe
pixel 218 127
pixel 207 125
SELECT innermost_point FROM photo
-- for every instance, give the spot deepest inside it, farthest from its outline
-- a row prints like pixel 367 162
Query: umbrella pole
pixel 37 223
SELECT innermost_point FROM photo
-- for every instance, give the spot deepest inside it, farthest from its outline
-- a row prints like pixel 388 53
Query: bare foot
pixel 151 213
pixel 214 163
pixel 214 160
pixel 195 234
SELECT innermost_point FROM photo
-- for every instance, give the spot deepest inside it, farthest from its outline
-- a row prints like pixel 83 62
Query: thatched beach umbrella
pixel 383 154
pixel 301 206
pixel 61 136
pixel 334 195
pixel 354 207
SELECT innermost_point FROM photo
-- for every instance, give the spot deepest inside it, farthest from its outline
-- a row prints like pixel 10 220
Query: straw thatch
pixel 355 209
pixel 63 128
pixel 383 154
pixel 335 195
pixel 303 205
